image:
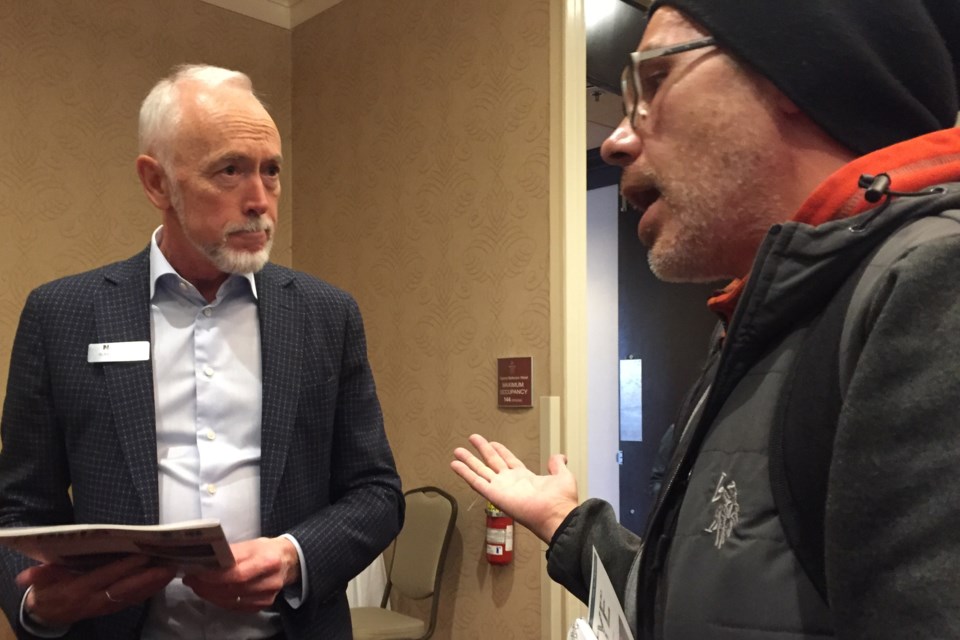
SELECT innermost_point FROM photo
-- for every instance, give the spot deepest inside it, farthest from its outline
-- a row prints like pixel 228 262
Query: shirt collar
pixel 159 267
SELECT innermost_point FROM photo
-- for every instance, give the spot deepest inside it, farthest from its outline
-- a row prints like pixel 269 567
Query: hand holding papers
pixel 606 620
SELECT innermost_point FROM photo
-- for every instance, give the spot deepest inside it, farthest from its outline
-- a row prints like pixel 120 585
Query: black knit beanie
pixel 870 72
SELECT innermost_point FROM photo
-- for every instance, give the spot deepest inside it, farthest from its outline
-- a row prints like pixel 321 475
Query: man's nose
pixel 258 197
pixel 623 146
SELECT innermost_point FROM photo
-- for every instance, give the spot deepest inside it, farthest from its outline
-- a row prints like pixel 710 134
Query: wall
pixel 422 140
pixel 73 75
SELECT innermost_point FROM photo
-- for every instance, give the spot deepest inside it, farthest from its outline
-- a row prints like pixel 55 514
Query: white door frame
pixel 564 414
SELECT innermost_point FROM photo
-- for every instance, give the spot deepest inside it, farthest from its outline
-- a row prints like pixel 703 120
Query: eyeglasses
pixel 631 82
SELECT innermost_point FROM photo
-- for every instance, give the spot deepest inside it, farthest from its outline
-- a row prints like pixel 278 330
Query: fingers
pixel 248 596
pixel 497 457
pixel 477 483
pixel 511 461
pixel 462 470
pixel 493 462
pixel 470 467
pixel 477 472
pixel 263 568
pixel 136 588
pixel 60 596
pixel 557 464
pixel 478 441
pixel 42 575
pixel 254 603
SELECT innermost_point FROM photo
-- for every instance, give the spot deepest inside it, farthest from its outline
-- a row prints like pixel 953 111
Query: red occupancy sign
pixel 514 385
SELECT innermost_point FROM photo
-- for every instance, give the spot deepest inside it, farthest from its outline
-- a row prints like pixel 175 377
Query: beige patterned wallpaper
pixel 421 133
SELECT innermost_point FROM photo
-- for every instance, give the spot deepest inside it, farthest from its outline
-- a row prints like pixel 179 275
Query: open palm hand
pixel 540 503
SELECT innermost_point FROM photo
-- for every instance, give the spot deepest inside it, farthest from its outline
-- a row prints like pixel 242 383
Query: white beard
pixel 223 257
pixel 230 260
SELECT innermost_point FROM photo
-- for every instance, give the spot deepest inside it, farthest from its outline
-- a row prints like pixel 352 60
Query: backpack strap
pixel 801 441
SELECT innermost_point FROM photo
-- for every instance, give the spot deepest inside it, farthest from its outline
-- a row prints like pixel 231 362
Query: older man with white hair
pixel 255 403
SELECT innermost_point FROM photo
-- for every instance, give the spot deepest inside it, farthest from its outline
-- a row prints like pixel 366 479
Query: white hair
pixel 161 111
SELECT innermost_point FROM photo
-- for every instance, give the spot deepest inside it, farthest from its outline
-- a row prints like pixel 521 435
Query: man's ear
pixel 154 180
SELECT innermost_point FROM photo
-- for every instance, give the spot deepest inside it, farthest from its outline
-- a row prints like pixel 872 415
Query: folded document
pixel 191 545
pixel 606 620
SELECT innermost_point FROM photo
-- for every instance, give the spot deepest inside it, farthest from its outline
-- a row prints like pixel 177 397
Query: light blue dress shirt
pixel 208 392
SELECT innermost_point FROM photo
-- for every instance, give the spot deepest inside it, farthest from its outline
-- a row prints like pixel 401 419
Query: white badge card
pixel 119 352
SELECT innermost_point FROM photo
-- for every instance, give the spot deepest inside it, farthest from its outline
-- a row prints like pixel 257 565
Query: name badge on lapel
pixel 119 352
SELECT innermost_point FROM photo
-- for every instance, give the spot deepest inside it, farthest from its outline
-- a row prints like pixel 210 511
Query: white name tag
pixel 119 352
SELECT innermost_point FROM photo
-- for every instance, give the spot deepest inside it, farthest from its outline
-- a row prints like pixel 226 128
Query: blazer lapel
pixel 122 311
pixel 281 338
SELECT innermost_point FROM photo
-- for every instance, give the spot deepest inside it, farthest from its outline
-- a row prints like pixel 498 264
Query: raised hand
pixel 540 503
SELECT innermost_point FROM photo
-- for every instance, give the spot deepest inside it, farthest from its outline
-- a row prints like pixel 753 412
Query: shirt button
pixel 208 311
pixel 211 488
pixel 208 371
pixel 211 435
pixel 183 285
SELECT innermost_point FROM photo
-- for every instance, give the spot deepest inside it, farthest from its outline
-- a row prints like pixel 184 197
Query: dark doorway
pixel 667 327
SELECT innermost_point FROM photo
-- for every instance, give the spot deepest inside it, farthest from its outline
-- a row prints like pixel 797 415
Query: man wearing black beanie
pixel 807 151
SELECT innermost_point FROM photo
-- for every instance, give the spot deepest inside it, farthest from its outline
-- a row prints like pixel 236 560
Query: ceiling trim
pixel 281 13
pixel 303 10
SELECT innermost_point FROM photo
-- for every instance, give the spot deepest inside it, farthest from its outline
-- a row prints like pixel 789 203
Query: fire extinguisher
pixel 499 536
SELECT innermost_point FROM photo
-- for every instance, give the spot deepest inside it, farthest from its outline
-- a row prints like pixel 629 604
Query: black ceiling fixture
pixel 614 28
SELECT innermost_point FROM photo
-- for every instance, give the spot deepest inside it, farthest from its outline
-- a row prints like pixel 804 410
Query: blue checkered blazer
pixel 327 473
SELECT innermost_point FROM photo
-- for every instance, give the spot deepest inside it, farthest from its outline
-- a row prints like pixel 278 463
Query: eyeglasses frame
pixel 631 73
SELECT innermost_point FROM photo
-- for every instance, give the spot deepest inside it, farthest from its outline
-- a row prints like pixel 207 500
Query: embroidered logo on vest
pixel 727 513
